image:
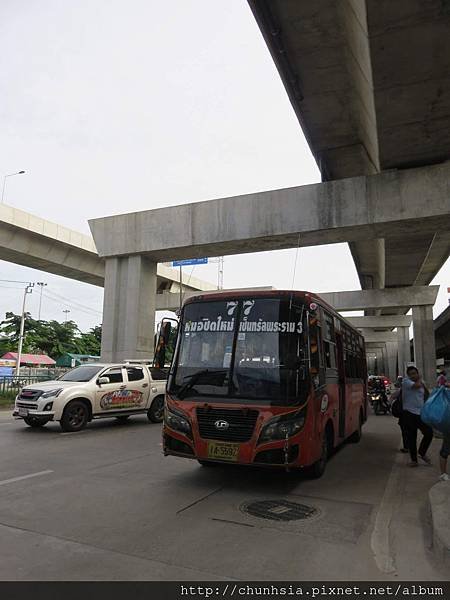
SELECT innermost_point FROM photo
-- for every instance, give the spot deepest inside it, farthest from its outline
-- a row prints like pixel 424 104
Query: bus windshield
pixel 242 350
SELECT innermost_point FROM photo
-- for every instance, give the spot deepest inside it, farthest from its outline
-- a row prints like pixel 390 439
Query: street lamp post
pixel 28 290
pixel 41 284
pixel 4 182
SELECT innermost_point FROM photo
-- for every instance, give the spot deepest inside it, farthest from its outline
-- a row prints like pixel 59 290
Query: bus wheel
pixel 357 435
pixel 318 468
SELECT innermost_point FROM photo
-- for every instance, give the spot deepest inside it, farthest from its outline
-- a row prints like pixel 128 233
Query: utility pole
pixel 41 284
pixel 66 311
pixel 28 290
pixel 4 182
pixel 219 260
pixel 181 287
pixel 220 274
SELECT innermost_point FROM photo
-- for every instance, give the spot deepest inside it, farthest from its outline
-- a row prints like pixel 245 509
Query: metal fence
pixel 11 385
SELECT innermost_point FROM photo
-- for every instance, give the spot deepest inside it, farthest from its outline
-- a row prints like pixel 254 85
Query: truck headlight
pixel 177 421
pixel 52 393
pixel 284 426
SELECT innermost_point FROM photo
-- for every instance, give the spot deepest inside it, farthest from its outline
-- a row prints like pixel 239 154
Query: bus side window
pixel 329 345
pixel 329 351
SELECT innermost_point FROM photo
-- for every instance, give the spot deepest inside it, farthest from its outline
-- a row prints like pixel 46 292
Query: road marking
pixel 380 539
pixel 14 479
pixel 11 423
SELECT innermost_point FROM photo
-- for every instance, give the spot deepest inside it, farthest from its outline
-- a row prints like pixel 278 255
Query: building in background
pixel 30 360
pixel 75 360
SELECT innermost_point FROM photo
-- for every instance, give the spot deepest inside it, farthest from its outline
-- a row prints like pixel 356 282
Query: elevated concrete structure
pixel 370 84
pixel 379 336
pixel 380 323
pixel 40 244
pixel 372 113
pixel 360 208
pixel 348 300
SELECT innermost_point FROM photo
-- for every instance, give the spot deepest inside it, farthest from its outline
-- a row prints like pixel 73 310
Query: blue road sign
pixel 189 261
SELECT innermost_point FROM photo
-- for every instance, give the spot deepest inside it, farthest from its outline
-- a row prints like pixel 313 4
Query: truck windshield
pixel 81 374
pixel 246 350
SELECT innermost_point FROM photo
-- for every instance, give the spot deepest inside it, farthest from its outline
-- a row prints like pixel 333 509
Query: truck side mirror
pixel 102 380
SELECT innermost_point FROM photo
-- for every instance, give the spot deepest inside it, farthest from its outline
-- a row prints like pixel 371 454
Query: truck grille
pixel 31 395
pixel 26 405
pixel 241 424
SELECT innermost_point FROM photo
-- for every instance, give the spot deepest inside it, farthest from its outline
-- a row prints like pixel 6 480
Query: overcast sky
pixel 113 106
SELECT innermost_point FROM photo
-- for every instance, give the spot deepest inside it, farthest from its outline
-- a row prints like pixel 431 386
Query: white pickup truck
pixel 94 391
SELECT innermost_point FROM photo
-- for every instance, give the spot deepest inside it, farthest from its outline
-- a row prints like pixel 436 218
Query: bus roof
pixel 260 293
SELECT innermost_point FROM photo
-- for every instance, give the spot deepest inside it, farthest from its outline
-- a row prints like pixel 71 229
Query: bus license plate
pixel 23 412
pixel 222 451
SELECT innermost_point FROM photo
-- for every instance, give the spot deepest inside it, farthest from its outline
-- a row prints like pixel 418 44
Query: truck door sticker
pixel 121 399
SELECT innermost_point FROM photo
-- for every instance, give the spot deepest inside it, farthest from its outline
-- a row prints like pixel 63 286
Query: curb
pixel 439 498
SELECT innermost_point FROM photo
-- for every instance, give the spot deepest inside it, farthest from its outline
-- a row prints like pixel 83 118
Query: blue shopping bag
pixel 436 410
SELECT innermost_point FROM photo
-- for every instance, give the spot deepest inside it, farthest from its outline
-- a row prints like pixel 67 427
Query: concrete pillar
pixel 128 308
pixel 404 349
pixel 424 344
pixel 392 353
pixel 385 364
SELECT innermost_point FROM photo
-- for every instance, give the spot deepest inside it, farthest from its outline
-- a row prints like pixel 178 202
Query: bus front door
pixel 341 383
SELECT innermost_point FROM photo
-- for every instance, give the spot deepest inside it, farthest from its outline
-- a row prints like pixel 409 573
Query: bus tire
pixel 357 435
pixel 155 413
pixel 318 468
pixel 75 416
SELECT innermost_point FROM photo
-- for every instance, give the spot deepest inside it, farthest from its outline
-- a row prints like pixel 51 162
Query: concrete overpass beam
pixel 378 336
pixel 128 308
pixel 381 322
pixel 424 343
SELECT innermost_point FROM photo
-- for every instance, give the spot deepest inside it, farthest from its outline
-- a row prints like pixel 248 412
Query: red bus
pixel 272 378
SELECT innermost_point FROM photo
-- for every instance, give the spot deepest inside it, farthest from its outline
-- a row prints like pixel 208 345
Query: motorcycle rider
pixel 379 389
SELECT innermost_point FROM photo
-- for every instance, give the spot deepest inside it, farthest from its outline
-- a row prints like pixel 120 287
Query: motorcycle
pixel 380 402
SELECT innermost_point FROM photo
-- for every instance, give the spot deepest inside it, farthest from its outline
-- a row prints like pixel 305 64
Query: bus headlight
pixel 177 421
pixel 284 426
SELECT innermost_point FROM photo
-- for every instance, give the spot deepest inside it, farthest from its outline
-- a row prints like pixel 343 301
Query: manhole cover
pixel 279 510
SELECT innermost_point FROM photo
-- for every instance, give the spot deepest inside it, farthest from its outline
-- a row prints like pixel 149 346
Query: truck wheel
pixel 33 422
pixel 75 416
pixel 155 413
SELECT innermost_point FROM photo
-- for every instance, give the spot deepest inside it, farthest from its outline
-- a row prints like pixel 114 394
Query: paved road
pixel 105 504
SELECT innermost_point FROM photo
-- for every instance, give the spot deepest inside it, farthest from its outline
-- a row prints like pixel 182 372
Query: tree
pixel 91 341
pixel 48 337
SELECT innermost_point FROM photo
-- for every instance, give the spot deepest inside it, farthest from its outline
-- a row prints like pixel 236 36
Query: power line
pixel 14 281
pixel 73 303
pixel 89 311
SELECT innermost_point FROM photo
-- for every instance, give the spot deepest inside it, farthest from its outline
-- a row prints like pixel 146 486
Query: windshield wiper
pixel 203 378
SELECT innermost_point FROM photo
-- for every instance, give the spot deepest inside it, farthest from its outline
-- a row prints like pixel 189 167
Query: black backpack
pixel 397 406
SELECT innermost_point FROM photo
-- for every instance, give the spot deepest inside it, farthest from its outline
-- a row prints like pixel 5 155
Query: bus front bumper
pixel 277 454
